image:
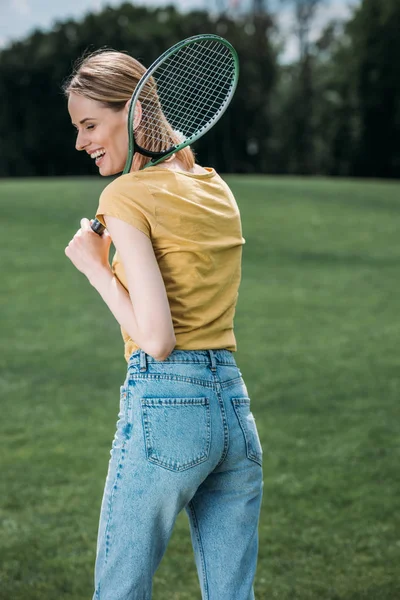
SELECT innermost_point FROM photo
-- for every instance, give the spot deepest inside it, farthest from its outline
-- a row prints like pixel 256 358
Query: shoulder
pixel 131 186
pixel 129 200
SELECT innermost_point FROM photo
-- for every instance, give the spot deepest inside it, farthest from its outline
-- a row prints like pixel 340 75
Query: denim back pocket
pixel 249 428
pixel 177 431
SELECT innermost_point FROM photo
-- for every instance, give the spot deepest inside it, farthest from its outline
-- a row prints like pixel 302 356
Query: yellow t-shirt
pixel 194 224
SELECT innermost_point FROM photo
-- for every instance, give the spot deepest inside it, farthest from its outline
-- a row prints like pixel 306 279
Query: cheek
pixel 123 140
pixel 122 131
pixel 115 138
pixel 122 144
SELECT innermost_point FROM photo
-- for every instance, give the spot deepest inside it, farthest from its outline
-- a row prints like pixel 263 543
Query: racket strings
pixel 193 85
pixel 180 61
pixel 210 85
pixel 210 102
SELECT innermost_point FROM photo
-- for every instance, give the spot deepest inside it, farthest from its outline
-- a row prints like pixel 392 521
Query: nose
pixel 81 141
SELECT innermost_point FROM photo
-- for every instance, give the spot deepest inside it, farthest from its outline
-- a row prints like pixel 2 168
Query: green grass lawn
pixel 318 331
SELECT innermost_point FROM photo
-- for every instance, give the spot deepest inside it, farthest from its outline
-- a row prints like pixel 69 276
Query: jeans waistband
pixel 207 357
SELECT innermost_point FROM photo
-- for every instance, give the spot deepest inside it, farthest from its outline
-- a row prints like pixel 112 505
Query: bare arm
pixel 144 313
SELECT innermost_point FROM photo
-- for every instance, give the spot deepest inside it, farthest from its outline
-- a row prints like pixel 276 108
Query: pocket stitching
pixel 256 457
pixel 163 461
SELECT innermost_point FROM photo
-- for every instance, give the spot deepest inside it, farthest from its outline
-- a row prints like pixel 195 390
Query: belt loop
pixel 143 361
pixel 213 361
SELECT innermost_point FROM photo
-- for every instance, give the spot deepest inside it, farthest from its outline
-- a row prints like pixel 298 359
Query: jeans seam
pixel 110 503
pixel 225 426
pixel 201 550
pixel 158 376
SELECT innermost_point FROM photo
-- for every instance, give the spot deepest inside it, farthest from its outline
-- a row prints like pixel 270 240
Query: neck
pixel 174 164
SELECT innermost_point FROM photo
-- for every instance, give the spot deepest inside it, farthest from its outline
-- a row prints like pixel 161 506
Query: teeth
pixel 97 154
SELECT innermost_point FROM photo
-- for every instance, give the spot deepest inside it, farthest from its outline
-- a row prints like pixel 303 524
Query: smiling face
pixel 102 132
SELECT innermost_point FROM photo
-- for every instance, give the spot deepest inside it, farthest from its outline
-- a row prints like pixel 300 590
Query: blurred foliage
pixel 336 111
pixel 352 98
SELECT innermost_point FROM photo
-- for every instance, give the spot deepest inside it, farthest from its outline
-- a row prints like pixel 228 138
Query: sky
pixel 18 18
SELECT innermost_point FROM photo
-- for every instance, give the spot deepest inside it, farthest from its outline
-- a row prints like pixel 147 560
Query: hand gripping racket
pixel 195 81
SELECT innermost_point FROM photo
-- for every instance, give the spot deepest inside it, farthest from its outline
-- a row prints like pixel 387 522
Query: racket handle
pixel 97 227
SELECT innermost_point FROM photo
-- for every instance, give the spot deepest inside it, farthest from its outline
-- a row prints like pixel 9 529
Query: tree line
pixel 334 111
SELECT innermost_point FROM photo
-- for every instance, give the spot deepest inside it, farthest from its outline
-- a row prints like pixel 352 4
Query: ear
pixel 138 113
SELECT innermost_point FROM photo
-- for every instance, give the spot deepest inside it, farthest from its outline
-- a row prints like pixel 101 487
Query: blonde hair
pixel 110 77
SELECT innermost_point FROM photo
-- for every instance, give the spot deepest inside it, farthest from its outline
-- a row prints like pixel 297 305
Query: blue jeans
pixel 185 439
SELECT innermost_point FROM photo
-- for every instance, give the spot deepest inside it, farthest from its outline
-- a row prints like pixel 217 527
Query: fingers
pixel 86 227
pixel 85 224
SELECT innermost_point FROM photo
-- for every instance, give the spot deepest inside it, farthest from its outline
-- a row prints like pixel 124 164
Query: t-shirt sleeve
pixel 128 200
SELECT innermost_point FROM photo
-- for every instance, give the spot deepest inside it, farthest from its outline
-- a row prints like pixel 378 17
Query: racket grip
pixel 97 227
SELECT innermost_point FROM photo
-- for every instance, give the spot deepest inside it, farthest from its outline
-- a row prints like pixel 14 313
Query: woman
pixel 185 438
